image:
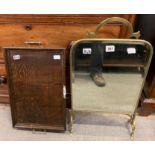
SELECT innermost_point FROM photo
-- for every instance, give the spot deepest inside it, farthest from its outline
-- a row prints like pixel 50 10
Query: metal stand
pixel 133 127
pixel 71 121
pixel 131 122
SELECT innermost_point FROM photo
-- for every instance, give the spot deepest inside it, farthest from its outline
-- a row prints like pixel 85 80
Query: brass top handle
pixel 115 20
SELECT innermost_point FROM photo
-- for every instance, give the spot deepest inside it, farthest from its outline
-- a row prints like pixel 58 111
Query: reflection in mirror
pixel 108 76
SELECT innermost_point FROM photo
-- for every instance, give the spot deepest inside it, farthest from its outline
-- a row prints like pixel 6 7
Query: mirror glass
pixel 108 76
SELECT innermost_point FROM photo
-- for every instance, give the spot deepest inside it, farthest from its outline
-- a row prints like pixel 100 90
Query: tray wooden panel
pixel 36 82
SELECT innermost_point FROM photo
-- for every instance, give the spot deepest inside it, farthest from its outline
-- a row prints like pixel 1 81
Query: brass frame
pixel 146 67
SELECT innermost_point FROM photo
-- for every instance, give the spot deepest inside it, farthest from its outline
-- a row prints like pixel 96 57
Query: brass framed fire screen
pixel 124 69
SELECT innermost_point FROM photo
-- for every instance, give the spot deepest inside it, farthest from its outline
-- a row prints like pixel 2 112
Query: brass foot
pixel 71 122
pixel 132 136
pixel 133 127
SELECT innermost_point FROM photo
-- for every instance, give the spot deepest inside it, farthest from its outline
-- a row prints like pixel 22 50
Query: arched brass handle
pixel 115 20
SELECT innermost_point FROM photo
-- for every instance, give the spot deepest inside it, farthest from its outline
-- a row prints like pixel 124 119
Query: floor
pixel 86 127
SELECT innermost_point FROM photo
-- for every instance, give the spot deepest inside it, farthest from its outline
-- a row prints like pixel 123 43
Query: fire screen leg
pixel 132 123
pixel 71 121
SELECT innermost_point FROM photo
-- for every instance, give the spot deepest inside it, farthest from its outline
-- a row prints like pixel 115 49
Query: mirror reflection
pixel 108 76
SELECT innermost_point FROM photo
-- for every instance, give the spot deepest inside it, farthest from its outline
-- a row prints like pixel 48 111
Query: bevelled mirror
pixel 108 76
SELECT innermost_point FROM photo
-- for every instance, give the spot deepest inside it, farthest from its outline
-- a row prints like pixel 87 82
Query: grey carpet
pixel 86 127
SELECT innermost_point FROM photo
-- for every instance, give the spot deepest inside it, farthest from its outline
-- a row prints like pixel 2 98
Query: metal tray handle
pixel 33 43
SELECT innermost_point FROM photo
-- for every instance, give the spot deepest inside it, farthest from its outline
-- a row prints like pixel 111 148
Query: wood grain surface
pixel 36 83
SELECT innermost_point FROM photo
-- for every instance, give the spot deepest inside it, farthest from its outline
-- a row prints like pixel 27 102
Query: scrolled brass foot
pixel 133 131
pixel 132 136
pixel 133 127
pixel 71 122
